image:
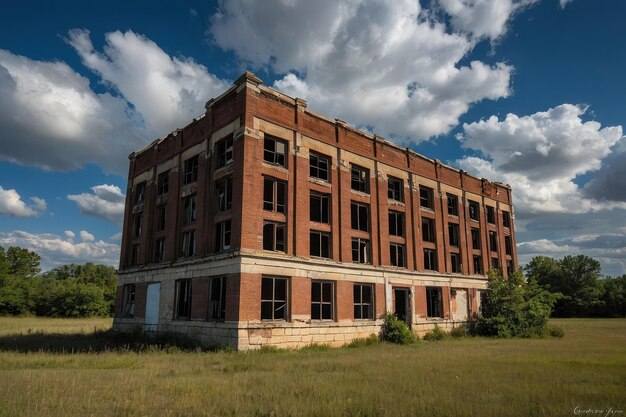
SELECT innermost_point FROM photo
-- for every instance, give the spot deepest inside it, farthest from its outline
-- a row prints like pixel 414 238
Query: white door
pixel 461 305
pixel 152 306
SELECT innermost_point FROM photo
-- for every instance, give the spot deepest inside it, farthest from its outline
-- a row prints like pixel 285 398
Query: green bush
pixel 556 331
pixel 514 308
pixel 435 334
pixel 396 331
pixel 460 331
pixel 364 341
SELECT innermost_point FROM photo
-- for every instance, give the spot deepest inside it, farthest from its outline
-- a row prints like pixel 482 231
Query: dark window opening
pixel 273 298
pixel 455 262
pixel 430 259
pixel 274 195
pixel 360 179
pixel 163 183
pixel 475 239
pixel 159 250
pixel 137 221
pixel 495 264
pixel 129 301
pixel 434 302
pixel 493 241
pixel 320 208
pixel 183 299
pixel 453 234
pixel 453 205
pixel 427 197
pixel 363 301
pixel 134 255
pixel 190 170
pixel 224 152
pixel 319 166
pixel 428 230
pixel 474 210
pixel 395 189
pixel 274 236
pixel 160 218
pixel 140 193
pixel 396 223
pixel 320 244
pixel 506 219
pixel 217 298
pixel 189 209
pixel 274 151
pixel 491 215
pixel 507 245
pixel 189 243
pixel 359 214
pixel 360 251
pixel 396 255
pixel 322 294
pixel 478 264
pixel 222 236
pixel 224 194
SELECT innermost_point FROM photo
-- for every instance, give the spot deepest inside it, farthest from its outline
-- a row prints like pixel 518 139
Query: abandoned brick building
pixel 262 222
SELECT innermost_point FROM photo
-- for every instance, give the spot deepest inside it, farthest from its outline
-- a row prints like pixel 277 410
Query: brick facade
pixel 239 179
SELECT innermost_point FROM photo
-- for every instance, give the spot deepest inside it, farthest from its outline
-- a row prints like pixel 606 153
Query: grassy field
pixel 454 377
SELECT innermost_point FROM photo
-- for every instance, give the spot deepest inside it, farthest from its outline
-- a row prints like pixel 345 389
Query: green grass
pixel 453 377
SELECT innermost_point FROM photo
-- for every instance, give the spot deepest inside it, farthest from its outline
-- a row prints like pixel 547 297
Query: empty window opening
pixel 427 197
pixel 474 210
pixel 360 216
pixel 190 170
pixel 454 234
pixel 475 238
pixel 319 166
pixel 434 302
pixel 493 241
pixel 430 259
pixel 453 205
pixel 217 298
pixel 428 230
pixel 396 255
pixel 320 207
pixel 455 262
pixel 395 189
pixel 163 183
pixel 159 250
pixel 224 194
pixel 224 152
pixel 190 213
pixel 183 299
pixel 360 179
pixel 222 236
pixel 360 251
pixel 478 264
pixel 189 243
pixel 491 215
pixel 274 236
pixel 274 151
pixel 322 300
pixel 140 193
pixel 320 244
pixel 273 298
pixel 396 223
pixel 363 301
pixel 129 301
pixel 274 195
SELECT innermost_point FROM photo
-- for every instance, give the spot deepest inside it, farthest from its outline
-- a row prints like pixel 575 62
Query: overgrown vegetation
pixel 437 333
pixel 67 291
pixel 513 307
pixel 396 331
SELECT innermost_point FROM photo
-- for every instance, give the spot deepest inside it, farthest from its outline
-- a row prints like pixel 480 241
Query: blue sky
pixel 527 92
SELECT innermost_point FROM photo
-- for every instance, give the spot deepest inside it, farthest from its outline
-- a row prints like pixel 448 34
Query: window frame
pixel 397 248
pixel 456 263
pixel 128 305
pixel 276 226
pixel 190 208
pixel 454 235
pixel 216 309
pixel 427 197
pixel 493 241
pixel 361 181
pixel 274 153
pixel 223 235
pixel 474 210
pixel 322 302
pixel 274 205
pixel 224 147
pixel 453 204
pixel 140 193
pixel 185 304
pixel 188 246
pixel 394 228
pixel 273 300
pixel 434 302
pixel 395 189
pixel 163 183
pixel 315 169
pixel 506 219
pixel 478 261
pixel 137 224
pixel 508 245
pixel 321 235
pixel 433 261
pixel 190 170
pixel 224 198
pixel 161 218
pixel 322 197
pixel 491 214
pixel 432 225
pixel 475 235
pixel 159 250
pixel 358 287
pixel 357 220
pixel 367 254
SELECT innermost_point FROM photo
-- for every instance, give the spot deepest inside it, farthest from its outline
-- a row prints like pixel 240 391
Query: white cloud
pixel 388 66
pixel 70 235
pixel 167 91
pixel 563 3
pixel 86 236
pixel 483 18
pixel 540 156
pixel 55 250
pixel 11 204
pixel 106 202
pixel 117 236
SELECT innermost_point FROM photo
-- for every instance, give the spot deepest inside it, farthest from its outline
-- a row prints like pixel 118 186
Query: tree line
pixel 66 291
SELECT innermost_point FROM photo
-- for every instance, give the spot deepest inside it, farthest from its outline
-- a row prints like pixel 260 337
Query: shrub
pixel 435 334
pixel 514 308
pixel 556 331
pixel 460 331
pixel 396 331
pixel 364 341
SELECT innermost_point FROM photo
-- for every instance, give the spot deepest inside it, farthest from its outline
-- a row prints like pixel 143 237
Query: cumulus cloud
pixel 610 182
pixel 105 201
pixel 69 234
pixel 11 204
pixel 389 66
pixel 166 91
pixel 541 155
pixel 563 3
pixel 86 236
pixel 483 18
pixel 55 250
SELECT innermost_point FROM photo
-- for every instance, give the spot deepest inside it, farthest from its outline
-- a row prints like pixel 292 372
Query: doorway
pixel 402 306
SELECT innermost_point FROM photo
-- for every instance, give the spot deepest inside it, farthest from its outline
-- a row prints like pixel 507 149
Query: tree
pixel 22 262
pixel 613 297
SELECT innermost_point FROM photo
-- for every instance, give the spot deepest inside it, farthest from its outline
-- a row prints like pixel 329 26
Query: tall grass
pixel 453 377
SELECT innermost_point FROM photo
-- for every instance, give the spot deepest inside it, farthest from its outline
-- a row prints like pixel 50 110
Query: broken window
pixel 474 210
pixel 396 223
pixel 396 255
pixel 360 179
pixel 428 230
pixel 427 197
pixel 360 251
pixel 493 241
pixel 495 264
pixel 224 194
pixel 395 189
pixel 506 219
pixel 478 264
pixel 134 255
pixel 160 218
pixel 137 221
pixel 453 205
pixel 159 250
pixel 274 195
pixel 320 207
pixel 363 301
pixel 475 238
pixel 360 216
pixel 453 234
pixel 224 152
pixel 183 299
pixel 434 302
pixel 128 309
pixel 491 215
pixel 507 245
pixel 430 259
pixel 189 209
pixel 189 243
pixel 273 298
pixel 455 262
pixel 163 183
pixel 190 170
pixel 274 236
pixel 222 236
pixel 320 244
pixel 319 166
pixel 274 151
pixel 217 298
pixel 322 294
pixel 140 193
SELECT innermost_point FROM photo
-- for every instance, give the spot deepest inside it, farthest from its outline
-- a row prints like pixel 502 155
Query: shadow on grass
pixel 101 341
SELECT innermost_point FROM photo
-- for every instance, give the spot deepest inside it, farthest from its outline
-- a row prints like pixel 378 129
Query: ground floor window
pixel 217 298
pixel 434 302
pixel 183 299
pixel 322 295
pixel 363 301
pixel 129 300
pixel 273 298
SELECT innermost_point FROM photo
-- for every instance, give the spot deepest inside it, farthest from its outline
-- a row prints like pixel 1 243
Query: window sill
pixel 320 181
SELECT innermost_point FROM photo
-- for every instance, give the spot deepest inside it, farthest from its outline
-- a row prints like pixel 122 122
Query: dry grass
pixel 454 377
